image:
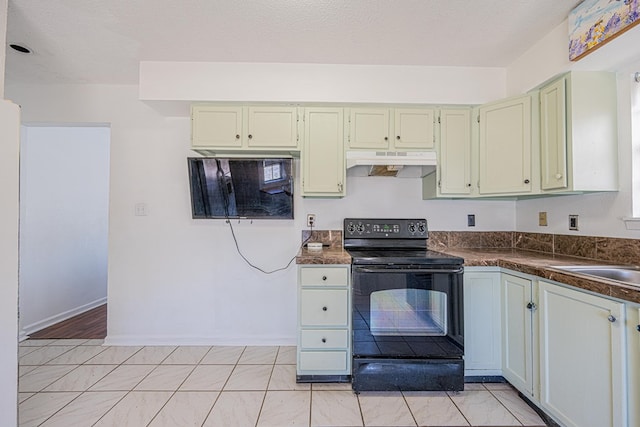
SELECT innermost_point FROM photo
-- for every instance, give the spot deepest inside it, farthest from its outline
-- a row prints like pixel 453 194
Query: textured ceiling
pixel 103 41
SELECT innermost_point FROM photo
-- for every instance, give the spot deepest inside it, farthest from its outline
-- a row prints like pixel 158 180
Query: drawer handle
pixel 324 278
pixel 324 308
pixel 324 340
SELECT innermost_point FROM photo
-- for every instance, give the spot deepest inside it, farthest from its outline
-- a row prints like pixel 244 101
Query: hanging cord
pixel 235 240
pixel 225 197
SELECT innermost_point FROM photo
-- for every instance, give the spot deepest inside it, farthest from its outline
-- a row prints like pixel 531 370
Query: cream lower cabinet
pixel 582 358
pixel 324 323
pixel 518 310
pixel 323 167
pixel 482 336
pixel 633 357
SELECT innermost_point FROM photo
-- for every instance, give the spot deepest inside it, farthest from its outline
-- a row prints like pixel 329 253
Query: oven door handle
pixel 408 270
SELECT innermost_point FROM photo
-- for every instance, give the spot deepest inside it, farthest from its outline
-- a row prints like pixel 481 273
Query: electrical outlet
pixel 471 220
pixel 311 220
pixel 573 222
pixel 542 219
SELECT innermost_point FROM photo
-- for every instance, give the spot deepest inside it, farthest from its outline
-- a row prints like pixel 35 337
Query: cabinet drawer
pixel 326 338
pixel 323 361
pixel 324 276
pixel 324 307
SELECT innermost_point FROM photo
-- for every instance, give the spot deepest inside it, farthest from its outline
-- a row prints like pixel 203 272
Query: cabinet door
pixel 482 338
pixel 414 128
pixel 633 356
pixel 553 136
pixel 369 128
pixel 581 358
pixel 455 152
pixel 323 168
pixel 517 336
pixel 272 127
pixel 213 126
pixel 505 146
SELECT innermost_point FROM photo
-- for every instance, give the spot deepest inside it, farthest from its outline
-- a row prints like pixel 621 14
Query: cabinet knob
pixel 398 137
pixel 324 308
pixel 237 136
pixel 324 340
pixel 532 305
pixel 638 328
pixel 324 278
pixel 526 181
pixel 558 176
pixel 250 136
pixel 386 138
pixel 469 185
pixel 611 318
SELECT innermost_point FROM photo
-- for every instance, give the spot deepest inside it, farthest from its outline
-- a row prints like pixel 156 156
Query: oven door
pixel 408 311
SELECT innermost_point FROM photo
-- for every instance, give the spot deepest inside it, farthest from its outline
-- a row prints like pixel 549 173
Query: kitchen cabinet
pixel 414 129
pixel 578 133
pixel 324 323
pixel 371 129
pixel 217 128
pixel 582 357
pixel 518 310
pixel 323 167
pixel 452 178
pixel 482 324
pixel 505 146
pixel 633 358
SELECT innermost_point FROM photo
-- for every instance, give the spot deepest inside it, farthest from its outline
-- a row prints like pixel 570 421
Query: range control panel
pixel 377 228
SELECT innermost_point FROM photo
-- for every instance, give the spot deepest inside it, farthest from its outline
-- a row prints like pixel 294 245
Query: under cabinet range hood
pixel 400 164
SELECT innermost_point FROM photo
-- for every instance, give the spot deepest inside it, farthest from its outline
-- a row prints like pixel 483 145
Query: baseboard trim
pixel 52 320
pixel 138 340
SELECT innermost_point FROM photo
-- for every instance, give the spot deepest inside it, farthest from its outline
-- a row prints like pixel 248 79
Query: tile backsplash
pixel 610 249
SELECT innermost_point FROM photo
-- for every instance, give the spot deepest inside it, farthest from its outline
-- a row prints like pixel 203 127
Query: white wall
pixel 599 214
pixel 3 42
pixel 64 206
pixel 173 279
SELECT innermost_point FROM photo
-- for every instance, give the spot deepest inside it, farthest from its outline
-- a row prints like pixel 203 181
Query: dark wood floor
pixel 91 324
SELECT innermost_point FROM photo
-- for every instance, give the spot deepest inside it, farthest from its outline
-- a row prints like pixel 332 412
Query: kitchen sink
pixel 626 274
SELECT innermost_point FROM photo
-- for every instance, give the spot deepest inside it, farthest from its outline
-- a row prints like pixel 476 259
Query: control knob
pixel 360 228
pixel 412 228
pixel 351 228
pixel 422 228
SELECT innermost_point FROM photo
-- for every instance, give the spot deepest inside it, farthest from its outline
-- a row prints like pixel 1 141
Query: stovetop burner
pixel 401 257
pixel 383 241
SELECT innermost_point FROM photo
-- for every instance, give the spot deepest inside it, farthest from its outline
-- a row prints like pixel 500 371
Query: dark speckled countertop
pixel 541 265
pixel 529 262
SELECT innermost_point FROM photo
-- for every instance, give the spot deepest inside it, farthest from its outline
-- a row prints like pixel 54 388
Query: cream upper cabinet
pixel 270 127
pixel 414 129
pixel 518 309
pixel 455 152
pixel 225 128
pixel 582 357
pixel 505 147
pixel 216 126
pixel 323 167
pixel 578 133
pixel 369 128
pixel 391 129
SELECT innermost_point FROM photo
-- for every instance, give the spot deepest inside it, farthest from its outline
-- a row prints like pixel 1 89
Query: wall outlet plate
pixel 311 220
pixel 542 219
pixel 471 220
pixel 573 222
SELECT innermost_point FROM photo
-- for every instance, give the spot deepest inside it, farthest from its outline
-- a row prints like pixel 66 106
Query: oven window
pixel 417 312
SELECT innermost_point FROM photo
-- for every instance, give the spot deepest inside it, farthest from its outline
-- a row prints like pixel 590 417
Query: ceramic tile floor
pixel 82 383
